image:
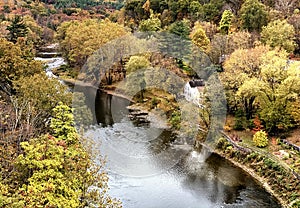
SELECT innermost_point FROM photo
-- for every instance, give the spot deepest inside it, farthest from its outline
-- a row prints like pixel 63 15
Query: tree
pixel 260 139
pixel 151 24
pixel 270 89
pixel 38 102
pixel 239 68
pixel 212 9
pixel 135 68
pixel 253 15
pixel 135 63
pixel 199 37
pixel 239 40
pixel 180 28
pixel 280 88
pixel 54 172
pixel 286 6
pixel 280 34
pixel 17 29
pixel 80 39
pixel 16 62
pixel 225 22
pixel 34 30
pixel 196 10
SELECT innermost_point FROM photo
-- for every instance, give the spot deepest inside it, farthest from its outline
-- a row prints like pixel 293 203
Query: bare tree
pixel 286 6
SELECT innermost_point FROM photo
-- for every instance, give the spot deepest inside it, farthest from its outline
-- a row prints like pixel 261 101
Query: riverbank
pixel 280 182
pixel 261 181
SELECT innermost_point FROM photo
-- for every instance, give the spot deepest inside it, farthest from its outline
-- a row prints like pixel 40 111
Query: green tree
pixel 280 34
pixel 225 22
pixel 253 15
pixel 180 28
pixel 196 10
pixel 151 24
pixel 17 29
pixel 212 10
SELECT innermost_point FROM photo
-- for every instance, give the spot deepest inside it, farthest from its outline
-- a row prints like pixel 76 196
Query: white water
pixel 51 63
pixel 192 94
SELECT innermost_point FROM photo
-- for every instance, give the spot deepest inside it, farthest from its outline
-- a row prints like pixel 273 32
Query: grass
pixel 274 148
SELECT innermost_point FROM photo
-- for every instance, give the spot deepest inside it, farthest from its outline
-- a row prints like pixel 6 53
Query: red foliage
pixel 257 124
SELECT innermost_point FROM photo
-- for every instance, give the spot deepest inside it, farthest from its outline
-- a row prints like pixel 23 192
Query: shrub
pixel 260 139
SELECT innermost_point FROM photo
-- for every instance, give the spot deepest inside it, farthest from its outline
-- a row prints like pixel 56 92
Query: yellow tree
pixel 199 37
pixel 79 39
pixel 242 65
pixel 279 33
pixel 274 89
pixel 16 61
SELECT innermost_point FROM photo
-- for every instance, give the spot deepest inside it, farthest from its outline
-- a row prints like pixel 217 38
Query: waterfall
pixel 50 58
pixel 51 63
pixel 192 94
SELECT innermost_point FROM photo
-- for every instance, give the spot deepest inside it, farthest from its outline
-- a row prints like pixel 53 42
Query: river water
pixel 150 167
pixel 148 171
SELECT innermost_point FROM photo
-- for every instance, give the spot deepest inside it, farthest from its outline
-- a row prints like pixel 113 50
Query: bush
pixel 260 139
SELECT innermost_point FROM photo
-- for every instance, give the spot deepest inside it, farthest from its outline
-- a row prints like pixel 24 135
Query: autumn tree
pixel 199 37
pixel 35 105
pixel 242 65
pixel 239 40
pixel 80 39
pixel 286 6
pixel 279 89
pixel 35 31
pixel 135 79
pixel 218 48
pixel 16 62
pixel 280 34
pixel 263 83
pixel 253 15
pixel 57 171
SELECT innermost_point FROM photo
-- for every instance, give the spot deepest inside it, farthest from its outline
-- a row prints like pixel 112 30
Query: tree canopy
pixel 279 34
pixel 253 15
pixel 79 39
pixel 263 83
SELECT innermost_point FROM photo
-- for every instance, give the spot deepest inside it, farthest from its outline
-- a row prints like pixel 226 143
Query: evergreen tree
pixel 17 29
pixel 253 15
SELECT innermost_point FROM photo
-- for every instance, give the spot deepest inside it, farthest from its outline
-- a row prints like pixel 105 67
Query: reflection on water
pixel 147 171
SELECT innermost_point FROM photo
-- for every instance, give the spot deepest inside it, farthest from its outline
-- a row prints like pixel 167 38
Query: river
pixel 150 167
pixel 147 170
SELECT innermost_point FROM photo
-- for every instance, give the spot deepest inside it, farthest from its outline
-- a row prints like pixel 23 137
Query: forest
pixel 253 45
